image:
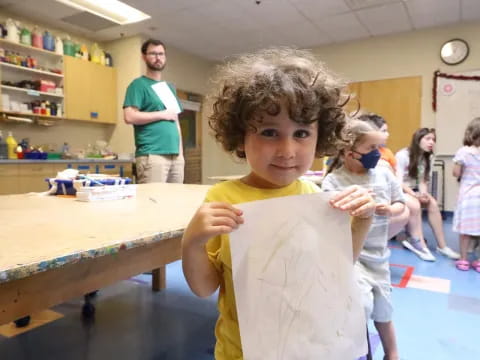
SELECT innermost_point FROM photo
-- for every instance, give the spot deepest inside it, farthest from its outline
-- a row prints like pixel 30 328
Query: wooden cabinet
pixel 31 177
pixel 90 91
pixel 8 179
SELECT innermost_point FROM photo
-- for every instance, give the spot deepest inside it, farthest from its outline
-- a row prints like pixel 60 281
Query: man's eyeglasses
pixel 155 54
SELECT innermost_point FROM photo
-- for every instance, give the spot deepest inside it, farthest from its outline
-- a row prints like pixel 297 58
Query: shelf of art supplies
pixel 6 114
pixel 27 69
pixel 30 91
pixel 19 46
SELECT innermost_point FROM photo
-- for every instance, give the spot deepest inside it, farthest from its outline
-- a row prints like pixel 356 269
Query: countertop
pixel 65 161
pixel 45 232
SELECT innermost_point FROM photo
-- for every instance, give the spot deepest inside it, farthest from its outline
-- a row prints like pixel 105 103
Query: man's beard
pixel 156 68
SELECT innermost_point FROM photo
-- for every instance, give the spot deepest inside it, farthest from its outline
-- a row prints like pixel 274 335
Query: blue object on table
pixel 65 187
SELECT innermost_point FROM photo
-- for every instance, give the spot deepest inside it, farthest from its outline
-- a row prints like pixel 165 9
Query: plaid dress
pixel 467 214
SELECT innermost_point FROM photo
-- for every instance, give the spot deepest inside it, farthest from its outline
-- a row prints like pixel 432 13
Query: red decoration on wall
pixel 438 74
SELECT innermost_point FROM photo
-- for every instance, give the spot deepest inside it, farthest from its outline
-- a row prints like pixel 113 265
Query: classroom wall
pixel 188 72
pixel 408 54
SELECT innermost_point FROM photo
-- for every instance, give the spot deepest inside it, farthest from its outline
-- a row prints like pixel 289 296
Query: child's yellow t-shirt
pixel 227 331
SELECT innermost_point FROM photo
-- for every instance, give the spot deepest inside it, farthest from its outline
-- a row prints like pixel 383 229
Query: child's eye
pixel 301 133
pixel 269 132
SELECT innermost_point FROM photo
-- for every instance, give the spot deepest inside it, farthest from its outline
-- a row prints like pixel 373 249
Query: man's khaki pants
pixel 160 168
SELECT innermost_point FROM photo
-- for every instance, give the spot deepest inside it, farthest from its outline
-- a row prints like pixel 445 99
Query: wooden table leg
pixel 159 278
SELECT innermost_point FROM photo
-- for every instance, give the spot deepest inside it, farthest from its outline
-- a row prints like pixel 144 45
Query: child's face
pixel 427 142
pixel 369 142
pixel 384 131
pixel 279 151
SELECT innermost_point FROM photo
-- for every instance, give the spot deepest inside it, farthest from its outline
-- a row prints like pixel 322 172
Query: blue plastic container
pixel 65 187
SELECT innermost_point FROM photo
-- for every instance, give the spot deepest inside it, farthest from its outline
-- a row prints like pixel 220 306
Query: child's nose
pixel 286 148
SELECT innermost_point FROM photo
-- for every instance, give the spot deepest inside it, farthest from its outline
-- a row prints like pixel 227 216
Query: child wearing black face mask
pixel 356 164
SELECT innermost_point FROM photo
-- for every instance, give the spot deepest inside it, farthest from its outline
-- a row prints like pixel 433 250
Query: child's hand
pixel 383 210
pixel 423 198
pixel 356 200
pixel 210 220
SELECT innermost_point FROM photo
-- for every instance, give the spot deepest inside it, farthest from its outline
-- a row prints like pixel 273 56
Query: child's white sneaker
pixel 449 253
pixel 422 252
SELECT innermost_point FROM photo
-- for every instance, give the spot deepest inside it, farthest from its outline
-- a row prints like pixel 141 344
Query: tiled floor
pixel 437 316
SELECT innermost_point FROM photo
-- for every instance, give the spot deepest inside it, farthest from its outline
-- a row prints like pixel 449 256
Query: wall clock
pixel 454 51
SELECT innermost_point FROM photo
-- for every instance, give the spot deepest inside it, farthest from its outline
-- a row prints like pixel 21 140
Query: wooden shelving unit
pixel 30 115
pixel 23 47
pixel 30 91
pixel 26 69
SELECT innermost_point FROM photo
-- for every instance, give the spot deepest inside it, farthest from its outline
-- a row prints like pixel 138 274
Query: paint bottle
pixel 3 148
pixel 11 146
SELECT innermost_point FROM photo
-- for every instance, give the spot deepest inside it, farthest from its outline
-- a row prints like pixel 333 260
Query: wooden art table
pixel 53 249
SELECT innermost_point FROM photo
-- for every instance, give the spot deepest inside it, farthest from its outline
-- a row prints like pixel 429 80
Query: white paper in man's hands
pixel 166 95
pixel 294 284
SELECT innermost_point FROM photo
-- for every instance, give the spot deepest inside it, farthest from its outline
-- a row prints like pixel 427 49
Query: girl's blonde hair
pixel 472 133
pixel 252 85
pixel 354 132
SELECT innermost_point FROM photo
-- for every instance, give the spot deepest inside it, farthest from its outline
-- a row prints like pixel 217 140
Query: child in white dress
pixel 466 220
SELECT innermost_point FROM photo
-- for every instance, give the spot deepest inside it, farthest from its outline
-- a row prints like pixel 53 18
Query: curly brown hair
pixel 259 83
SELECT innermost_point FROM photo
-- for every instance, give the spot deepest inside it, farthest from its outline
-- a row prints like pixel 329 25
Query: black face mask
pixel 370 159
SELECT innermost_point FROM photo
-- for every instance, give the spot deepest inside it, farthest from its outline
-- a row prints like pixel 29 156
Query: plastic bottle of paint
pixel 11 146
pixel 3 147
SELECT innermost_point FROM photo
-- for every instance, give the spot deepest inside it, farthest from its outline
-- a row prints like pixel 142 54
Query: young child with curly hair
pixel 277 109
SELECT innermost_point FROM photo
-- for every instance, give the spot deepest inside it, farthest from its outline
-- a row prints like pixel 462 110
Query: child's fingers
pixel 227 213
pixel 229 222
pixel 222 205
pixel 365 210
pixel 344 193
pixel 352 199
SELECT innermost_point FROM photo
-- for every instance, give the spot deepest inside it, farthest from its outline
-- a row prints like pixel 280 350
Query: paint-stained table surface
pixel 48 239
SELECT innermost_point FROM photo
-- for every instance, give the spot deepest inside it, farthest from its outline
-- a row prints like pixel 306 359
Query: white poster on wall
pixel 458 102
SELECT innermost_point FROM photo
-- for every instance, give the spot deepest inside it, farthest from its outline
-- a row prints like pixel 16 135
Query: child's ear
pixel 241 147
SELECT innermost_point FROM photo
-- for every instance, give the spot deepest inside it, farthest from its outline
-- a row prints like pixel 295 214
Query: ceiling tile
pixel 270 12
pixel 342 27
pixel 228 14
pixel 427 13
pixel 385 19
pixel 218 28
pixel 316 10
pixel 363 4
pixel 470 10
pixel 303 34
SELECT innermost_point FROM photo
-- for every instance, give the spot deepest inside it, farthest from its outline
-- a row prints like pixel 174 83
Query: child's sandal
pixel 463 265
pixel 476 265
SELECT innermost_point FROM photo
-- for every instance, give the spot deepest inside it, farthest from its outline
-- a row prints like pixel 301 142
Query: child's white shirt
pixel 387 190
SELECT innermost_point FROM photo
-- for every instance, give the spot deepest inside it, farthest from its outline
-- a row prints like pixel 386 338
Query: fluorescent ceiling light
pixel 112 10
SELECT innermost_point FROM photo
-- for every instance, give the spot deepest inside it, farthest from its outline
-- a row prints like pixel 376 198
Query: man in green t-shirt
pixel 158 141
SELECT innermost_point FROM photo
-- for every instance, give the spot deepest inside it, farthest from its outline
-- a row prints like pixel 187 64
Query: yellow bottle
pixel 95 53
pixel 11 146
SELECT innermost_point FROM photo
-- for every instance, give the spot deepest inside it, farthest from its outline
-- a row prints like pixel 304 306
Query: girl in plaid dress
pixel 466 220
